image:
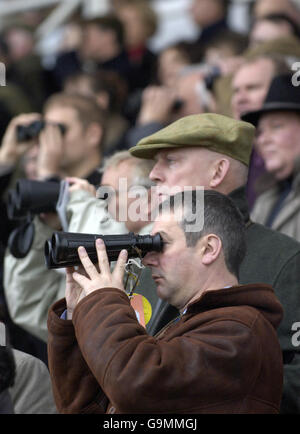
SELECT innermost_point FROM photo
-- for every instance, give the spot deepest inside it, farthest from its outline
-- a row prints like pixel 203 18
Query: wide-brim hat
pixel 283 95
pixel 215 132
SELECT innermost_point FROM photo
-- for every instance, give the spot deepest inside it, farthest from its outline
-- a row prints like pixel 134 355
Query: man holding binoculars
pixel 114 366
pixel 65 140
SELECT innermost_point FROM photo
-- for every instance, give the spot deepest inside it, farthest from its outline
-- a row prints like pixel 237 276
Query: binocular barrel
pixel 32 196
pixel 61 249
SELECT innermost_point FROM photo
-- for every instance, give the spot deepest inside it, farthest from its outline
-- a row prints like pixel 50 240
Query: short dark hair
pixel 221 217
pixel 109 22
pixel 87 109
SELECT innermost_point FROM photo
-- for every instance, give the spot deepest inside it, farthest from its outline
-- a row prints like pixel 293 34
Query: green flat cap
pixel 216 132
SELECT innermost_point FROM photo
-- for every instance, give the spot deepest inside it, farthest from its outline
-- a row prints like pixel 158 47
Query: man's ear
pixel 210 247
pixel 220 170
pixel 94 134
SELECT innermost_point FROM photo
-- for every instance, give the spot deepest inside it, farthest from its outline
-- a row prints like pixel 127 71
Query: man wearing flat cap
pixel 213 151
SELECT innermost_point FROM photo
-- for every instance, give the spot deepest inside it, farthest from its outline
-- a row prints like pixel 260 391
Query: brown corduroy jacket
pixel 221 356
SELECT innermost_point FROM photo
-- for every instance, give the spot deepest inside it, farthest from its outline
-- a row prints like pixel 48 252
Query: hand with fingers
pixel 51 151
pixel 88 279
pixel 157 105
pixel 81 184
pixel 11 149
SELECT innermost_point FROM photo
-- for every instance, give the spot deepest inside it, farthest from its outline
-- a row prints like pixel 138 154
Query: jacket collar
pixel 258 296
pixel 239 198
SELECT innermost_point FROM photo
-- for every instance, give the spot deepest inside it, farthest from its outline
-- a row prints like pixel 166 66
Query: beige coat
pixel 287 220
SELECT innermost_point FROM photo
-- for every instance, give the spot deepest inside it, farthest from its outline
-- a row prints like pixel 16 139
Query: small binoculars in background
pixel 61 249
pixel 31 131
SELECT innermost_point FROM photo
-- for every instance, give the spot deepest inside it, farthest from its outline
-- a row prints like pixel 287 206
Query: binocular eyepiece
pixel 32 196
pixel 61 249
pixel 31 131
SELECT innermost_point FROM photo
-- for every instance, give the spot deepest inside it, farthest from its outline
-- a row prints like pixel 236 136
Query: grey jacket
pixel 31 392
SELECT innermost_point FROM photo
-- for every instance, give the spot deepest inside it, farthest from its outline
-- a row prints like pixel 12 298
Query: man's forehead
pixel 61 113
pixel 252 71
pixel 287 117
pixel 167 220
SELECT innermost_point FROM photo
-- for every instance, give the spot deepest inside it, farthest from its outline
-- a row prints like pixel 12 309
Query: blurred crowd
pixel 105 89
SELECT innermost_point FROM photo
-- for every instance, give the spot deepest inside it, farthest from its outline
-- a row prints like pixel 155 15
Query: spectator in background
pixel 267 7
pixel 77 152
pixel 161 105
pixel 171 62
pixel 223 48
pixel 24 65
pixel 11 155
pixel 13 98
pixel 140 23
pixel 53 156
pixel 211 17
pixel 102 46
pixel 278 132
pixel 272 27
pixel 110 93
pixel 7 376
pixel 250 84
pixel 25 386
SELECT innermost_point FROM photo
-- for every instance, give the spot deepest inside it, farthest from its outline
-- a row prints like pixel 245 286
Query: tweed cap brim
pixel 215 132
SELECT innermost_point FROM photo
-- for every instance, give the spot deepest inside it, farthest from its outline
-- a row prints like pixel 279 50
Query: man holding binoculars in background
pixel 63 141
pixel 67 137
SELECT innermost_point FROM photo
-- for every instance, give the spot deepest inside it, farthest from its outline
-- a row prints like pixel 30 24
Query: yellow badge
pixel 142 308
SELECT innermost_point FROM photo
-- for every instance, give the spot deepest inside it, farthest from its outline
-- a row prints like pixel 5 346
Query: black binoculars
pixel 33 197
pixel 29 132
pixel 61 249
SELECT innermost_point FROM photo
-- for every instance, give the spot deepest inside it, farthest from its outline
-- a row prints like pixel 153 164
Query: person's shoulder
pixel 23 359
pixel 270 239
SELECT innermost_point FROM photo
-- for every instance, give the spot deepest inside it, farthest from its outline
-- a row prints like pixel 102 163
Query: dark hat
pixel 282 96
pixel 216 132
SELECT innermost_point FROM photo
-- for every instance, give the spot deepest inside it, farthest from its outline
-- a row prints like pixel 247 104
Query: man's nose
pixel 262 139
pixel 156 173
